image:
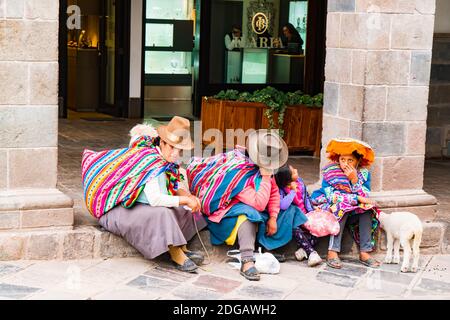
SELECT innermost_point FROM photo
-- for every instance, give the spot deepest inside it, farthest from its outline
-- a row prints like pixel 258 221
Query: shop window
pixel 168 28
pixel 250 42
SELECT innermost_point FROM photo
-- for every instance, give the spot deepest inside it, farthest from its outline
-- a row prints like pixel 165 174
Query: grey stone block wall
pixel 29 116
pixel 377 75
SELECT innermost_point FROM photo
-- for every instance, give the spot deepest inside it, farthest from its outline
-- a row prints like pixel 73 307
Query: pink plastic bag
pixel 322 223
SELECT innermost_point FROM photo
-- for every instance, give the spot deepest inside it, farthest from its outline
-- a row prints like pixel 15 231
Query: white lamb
pixel 400 228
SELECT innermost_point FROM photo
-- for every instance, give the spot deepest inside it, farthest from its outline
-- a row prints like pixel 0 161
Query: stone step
pixel 87 242
pixel 91 242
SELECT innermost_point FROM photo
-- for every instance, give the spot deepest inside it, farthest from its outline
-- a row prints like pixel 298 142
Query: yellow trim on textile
pixel 232 238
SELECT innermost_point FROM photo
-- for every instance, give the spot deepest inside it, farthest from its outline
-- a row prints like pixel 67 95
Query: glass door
pixel 114 53
pixel 168 45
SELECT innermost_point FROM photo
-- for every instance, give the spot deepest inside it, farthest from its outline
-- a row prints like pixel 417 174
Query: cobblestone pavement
pixel 137 278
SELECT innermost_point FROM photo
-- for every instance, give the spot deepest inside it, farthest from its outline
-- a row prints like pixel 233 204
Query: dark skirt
pixel 151 230
pixel 287 220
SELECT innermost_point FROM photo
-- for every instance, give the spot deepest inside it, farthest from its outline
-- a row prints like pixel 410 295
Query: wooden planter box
pixel 302 125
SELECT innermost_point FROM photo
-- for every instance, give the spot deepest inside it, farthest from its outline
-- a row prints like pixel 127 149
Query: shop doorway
pixel 168 59
pixel 94 58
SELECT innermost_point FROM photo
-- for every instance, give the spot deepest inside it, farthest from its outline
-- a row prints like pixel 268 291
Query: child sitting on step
pixel 294 205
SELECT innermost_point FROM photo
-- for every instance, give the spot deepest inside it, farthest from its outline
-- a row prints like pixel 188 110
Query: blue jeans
pixel 365 230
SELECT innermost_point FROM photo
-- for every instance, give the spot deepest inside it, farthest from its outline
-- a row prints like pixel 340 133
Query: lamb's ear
pixel 143 130
pixel 135 131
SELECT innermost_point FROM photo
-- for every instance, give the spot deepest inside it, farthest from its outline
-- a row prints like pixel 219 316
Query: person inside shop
pixel 291 39
pixel 234 39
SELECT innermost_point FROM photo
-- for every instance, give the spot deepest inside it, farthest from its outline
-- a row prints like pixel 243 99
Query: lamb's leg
pixel 404 241
pixel 396 251
pixel 416 251
pixel 390 241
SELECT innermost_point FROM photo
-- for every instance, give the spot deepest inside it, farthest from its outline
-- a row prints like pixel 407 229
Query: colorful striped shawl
pixel 216 180
pixel 336 178
pixel 114 177
pixel 334 175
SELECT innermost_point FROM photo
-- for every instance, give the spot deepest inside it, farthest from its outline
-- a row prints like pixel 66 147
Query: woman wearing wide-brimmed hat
pixel 137 193
pixel 345 192
pixel 235 188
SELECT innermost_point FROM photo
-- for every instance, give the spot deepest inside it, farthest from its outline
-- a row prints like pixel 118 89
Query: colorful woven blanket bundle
pixel 114 177
pixel 216 180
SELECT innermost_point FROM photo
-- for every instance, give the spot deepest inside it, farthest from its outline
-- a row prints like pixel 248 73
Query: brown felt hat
pixel 177 133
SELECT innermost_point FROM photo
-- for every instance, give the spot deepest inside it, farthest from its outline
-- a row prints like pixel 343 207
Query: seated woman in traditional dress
pixel 345 192
pixel 244 194
pixel 295 203
pixel 142 201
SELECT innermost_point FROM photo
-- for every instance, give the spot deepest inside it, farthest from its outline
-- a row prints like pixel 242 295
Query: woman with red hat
pixel 345 192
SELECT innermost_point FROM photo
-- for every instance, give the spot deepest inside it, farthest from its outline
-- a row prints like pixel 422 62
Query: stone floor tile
pixel 153 284
pixel 56 295
pixel 337 279
pixel 8 269
pixel 311 289
pixel 218 284
pixel 349 270
pixel 434 286
pixel 16 291
pixel 438 269
pixel 260 292
pixel 395 277
pixel 83 287
pixel 131 265
pixel 190 292
pixel 126 293
pixel 380 288
pixel 170 273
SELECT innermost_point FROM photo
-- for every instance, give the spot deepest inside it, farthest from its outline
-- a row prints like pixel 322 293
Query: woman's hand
pixel 199 203
pixel 351 173
pixel 191 202
pixel 271 227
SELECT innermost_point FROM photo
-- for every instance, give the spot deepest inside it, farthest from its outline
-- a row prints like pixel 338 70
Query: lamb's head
pixel 382 217
pixel 140 130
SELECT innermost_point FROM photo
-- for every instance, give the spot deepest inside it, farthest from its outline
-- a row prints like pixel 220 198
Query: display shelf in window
pixel 159 35
pixel 163 62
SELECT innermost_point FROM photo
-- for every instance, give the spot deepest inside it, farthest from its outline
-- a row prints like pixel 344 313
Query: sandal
pixel 252 273
pixel 371 263
pixel 335 263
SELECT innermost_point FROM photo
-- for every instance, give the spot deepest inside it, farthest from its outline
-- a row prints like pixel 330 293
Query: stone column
pixel 29 117
pixel 377 77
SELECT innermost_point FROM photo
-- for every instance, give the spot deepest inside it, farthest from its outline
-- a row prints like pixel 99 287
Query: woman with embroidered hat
pixel 345 192
pixel 137 193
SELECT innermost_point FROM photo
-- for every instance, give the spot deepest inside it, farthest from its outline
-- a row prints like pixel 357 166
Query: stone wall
pixel 29 116
pixel 377 77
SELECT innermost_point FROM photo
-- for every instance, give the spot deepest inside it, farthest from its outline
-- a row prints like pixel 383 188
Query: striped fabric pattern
pixel 114 177
pixel 333 174
pixel 216 180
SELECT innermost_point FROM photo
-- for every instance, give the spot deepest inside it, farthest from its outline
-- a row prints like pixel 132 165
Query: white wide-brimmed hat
pixel 267 149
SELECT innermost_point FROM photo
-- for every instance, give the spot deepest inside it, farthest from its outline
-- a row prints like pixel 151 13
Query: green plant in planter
pixel 275 100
